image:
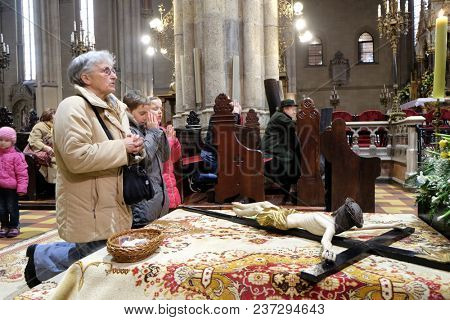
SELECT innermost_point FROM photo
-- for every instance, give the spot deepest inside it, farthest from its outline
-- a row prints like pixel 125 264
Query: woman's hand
pixel 133 143
pixel 170 131
pixel 49 150
pixel 152 121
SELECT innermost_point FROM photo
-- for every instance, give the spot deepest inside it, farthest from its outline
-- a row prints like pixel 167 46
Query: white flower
pixel 421 179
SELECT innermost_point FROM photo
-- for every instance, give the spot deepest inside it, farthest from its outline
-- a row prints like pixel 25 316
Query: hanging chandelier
pixel 79 42
pixel 5 58
pixel 291 24
pixel 160 38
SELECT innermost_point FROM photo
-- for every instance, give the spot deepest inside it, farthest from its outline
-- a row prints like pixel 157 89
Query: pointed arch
pixel 365 48
pixel 315 52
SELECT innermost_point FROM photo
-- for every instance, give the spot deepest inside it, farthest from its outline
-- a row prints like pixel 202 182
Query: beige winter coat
pixel 41 132
pixel 89 195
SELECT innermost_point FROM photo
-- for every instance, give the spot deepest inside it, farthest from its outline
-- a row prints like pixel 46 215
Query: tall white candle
pixel 197 76
pixel 440 55
pixel 387 6
pixel 398 6
pixel 236 84
pixel 379 10
pixel 182 64
pixel 280 85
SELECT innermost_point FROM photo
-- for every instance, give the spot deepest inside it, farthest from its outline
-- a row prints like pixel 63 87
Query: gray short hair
pixel 84 63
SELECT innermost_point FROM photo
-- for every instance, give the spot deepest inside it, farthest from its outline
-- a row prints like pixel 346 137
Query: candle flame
pixel 441 13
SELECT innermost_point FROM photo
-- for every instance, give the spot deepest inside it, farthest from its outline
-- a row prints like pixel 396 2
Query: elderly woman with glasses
pixel 89 196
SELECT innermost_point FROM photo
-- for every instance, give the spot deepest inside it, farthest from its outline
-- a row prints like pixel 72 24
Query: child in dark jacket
pixel 13 182
pixel 144 123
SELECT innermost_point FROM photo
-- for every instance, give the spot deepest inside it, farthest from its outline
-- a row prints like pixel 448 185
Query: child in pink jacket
pixel 13 182
pixel 168 170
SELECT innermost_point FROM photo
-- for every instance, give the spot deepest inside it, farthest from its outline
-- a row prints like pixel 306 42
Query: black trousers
pixel 9 208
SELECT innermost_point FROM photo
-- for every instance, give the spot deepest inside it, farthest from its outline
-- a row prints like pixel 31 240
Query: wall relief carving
pixel 339 69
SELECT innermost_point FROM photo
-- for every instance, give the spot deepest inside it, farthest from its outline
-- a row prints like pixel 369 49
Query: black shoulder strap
pixel 102 123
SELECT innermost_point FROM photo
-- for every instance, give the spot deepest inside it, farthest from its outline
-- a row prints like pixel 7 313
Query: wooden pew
pixel 310 188
pixel 249 134
pixel 34 183
pixel 251 177
pixel 191 145
pixel 240 169
pixel 351 175
pixel 223 122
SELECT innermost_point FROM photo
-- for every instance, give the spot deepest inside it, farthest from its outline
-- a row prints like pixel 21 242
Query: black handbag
pixel 136 183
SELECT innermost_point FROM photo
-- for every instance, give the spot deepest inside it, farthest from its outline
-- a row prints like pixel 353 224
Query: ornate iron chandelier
pixel 5 58
pixel 79 42
pixel 391 26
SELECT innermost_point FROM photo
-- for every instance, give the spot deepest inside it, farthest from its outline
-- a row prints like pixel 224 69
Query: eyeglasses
pixel 108 70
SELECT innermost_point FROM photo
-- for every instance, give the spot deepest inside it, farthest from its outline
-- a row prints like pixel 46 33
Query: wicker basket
pixel 135 253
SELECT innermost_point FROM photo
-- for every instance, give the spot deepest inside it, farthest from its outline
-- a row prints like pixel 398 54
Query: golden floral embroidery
pixel 329 284
pixel 258 278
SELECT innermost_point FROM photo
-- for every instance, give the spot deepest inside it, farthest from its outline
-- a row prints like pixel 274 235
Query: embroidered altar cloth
pixel 206 258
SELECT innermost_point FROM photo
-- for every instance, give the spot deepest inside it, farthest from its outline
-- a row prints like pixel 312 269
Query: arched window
pixel 87 19
pixel 315 53
pixel 365 48
pixel 29 48
pixel 417 9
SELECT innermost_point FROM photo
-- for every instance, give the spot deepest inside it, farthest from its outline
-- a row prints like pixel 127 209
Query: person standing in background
pixel 40 140
pixel 13 182
pixel 175 154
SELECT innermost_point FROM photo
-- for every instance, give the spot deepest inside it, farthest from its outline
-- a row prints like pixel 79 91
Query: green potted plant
pixel 433 186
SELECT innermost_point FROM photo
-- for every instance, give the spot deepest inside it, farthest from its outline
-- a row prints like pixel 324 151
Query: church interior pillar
pixel 253 43
pixel 179 50
pixel 48 71
pixel 213 47
pixel 271 39
pixel 232 37
pixel 188 41
pixel 130 50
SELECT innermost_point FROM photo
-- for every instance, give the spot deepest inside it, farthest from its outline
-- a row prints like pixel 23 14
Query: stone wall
pixel 338 24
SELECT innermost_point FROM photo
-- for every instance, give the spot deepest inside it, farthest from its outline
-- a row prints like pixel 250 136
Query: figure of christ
pixel 345 218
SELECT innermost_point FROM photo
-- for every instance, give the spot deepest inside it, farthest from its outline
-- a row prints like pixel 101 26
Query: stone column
pixel 198 40
pixel 129 53
pixel 232 38
pixel 48 70
pixel 66 13
pixel 291 68
pixel 253 54
pixel 178 36
pixel 213 48
pixel 188 41
pixel 271 39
